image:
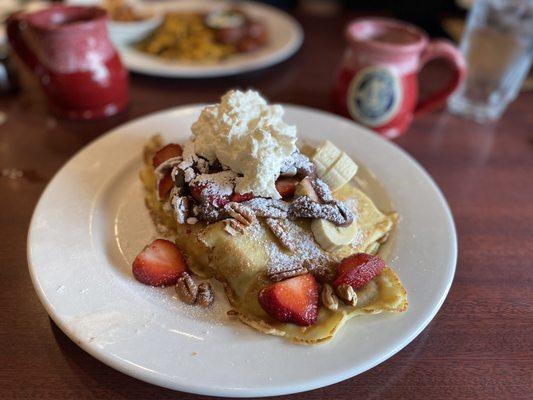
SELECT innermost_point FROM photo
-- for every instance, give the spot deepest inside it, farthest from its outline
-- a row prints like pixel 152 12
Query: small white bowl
pixel 122 33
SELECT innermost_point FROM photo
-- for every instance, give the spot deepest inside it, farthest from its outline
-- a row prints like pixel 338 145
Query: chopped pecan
pixel 187 289
pixel 280 229
pixel 240 212
pixel 233 227
pixel 277 276
pixel 347 294
pixel 206 297
pixel 329 300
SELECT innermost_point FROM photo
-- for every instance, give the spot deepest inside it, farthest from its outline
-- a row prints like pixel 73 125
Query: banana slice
pixel 325 156
pixel 341 172
pixel 333 166
pixel 330 237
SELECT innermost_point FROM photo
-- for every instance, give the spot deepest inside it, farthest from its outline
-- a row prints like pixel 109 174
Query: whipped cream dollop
pixel 248 135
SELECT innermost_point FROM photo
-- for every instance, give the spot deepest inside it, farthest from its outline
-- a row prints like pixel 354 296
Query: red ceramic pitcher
pixel 68 49
pixel 377 82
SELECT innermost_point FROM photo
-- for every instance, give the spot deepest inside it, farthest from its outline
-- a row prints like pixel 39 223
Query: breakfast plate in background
pixel 285 37
pixel 91 222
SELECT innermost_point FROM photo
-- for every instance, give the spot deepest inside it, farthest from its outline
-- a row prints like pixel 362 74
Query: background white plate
pixel 285 38
pixel 91 221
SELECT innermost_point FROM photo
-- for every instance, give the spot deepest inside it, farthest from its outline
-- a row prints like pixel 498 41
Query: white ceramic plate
pixel 91 222
pixel 285 38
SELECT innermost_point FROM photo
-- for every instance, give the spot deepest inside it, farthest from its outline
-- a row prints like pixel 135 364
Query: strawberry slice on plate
pixel 169 151
pixel 286 187
pixel 293 300
pixel 160 263
pixel 357 270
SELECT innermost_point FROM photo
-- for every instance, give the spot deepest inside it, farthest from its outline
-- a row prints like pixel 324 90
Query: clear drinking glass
pixel 498 47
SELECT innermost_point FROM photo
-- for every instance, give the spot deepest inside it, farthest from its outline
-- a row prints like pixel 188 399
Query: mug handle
pixel 442 49
pixel 15 25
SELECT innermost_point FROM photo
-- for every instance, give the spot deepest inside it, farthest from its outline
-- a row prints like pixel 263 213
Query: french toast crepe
pixel 242 261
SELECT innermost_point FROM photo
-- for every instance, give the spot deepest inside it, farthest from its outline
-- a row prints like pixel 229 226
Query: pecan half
pixel 280 229
pixel 187 289
pixel 240 212
pixel 233 227
pixel 347 294
pixel 277 276
pixel 329 300
pixel 206 297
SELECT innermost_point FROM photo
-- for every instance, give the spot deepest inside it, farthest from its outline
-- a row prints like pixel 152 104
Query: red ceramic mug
pixel 68 49
pixel 377 82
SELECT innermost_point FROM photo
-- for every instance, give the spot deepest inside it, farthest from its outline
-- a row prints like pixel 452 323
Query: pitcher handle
pixel 442 49
pixel 15 26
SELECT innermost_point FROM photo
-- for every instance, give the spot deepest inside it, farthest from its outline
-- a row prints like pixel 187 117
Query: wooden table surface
pixel 480 344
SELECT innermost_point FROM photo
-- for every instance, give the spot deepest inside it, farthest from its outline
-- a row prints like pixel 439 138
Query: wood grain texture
pixel 478 347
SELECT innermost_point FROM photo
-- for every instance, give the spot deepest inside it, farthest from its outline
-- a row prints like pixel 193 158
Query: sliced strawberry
pixel 286 186
pixel 165 153
pixel 165 185
pixel 358 269
pixel 239 198
pixel 207 193
pixel 293 300
pixel 160 263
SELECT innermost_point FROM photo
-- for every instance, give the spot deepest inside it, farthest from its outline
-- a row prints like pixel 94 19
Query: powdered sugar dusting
pixel 217 184
pixel 306 251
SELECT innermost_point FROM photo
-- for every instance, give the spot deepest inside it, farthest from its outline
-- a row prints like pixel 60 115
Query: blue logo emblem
pixel 374 96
